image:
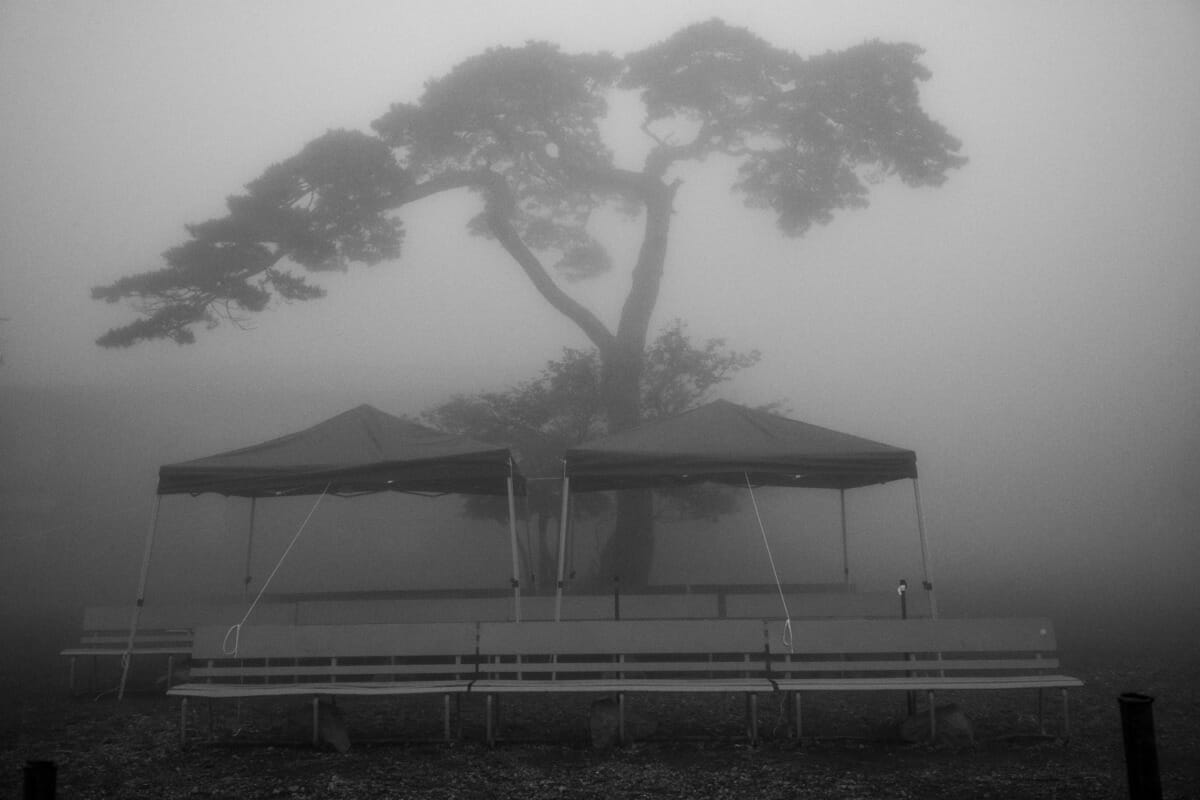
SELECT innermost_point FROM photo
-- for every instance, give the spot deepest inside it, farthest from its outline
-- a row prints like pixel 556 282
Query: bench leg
pixel 71 676
pixel 489 725
pixel 932 718
pixel 183 721
pixel 316 721
pixel 621 719
pixel 1066 726
pixel 446 716
pixel 170 669
pixel 458 726
pixel 1041 712
pixel 752 717
pixel 796 716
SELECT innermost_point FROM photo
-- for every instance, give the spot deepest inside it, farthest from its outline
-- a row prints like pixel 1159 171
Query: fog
pixel 1030 329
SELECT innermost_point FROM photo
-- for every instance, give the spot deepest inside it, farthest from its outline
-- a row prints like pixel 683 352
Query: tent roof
pixel 359 451
pixel 725 443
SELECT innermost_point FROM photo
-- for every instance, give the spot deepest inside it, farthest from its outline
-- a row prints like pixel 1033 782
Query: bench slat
pixel 918 665
pixel 928 683
pixel 625 636
pixel 855 636
pixel 314 641
pixel 355 688
pixel 238 672
pixel 624 685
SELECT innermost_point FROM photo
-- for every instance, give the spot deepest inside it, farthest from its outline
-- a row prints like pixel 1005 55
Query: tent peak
pixel 725 442
pixel 357 451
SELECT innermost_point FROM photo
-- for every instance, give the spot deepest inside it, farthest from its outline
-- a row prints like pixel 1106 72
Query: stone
pixel 954 728
pixel 604 724
pixel 331 727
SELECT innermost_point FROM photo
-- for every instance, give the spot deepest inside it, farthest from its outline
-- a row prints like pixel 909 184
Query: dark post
pixel 910 699
pixel 40 779
pixel 1141 757
pixel 616 597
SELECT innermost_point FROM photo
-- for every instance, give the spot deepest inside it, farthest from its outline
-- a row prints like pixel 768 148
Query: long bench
pixel 166 631
pixel 750 657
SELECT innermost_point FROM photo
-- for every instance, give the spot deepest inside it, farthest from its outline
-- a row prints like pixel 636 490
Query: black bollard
pixel 1141 757
pixel 40 778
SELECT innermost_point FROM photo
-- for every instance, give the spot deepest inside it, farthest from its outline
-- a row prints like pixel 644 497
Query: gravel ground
pixel 130 749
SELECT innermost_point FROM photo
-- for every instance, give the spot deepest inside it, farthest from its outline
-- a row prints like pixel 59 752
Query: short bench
pixel 324 660
pixel 916 655
pixel 163 631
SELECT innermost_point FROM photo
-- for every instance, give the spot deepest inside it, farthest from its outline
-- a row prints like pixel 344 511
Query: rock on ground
pixel 954 728
pixel 604 724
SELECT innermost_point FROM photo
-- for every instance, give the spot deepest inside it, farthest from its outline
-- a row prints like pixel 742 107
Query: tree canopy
pixel 521 127
pixel 560 408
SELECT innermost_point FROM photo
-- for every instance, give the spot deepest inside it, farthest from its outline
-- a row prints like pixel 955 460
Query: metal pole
pixel 127 656
pixel 845 545
pixel 926 566
pixel 1141 756
pixel 249 550
pixel 40 779
pixel 562 546
pixel 516 566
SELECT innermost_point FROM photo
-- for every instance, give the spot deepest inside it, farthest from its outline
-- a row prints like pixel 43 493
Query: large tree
pixel 560 408
pixel 521 128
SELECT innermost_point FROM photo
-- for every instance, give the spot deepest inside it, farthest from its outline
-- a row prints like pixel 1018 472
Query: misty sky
pixel 1030 329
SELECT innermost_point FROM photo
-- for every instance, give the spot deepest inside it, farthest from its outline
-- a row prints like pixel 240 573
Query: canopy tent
pixel 723 442
pixel 361 451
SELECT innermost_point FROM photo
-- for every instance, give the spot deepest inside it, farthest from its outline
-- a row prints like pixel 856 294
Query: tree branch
pixel 500 204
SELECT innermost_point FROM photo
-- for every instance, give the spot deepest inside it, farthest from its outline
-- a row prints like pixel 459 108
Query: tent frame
pixel 722 442
pixel 386 453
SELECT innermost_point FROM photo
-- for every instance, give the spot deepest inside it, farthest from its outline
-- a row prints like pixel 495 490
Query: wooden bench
pixel 750 657
pixel 163 631
pixel 916 655
pixel 615 657
pixel 323 660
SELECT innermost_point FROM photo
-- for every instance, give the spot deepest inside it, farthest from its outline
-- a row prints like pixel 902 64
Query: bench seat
pixel 743 656
pixel 352 688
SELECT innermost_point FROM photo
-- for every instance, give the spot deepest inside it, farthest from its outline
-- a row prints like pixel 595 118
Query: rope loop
pixel 236 632
pixel 787 625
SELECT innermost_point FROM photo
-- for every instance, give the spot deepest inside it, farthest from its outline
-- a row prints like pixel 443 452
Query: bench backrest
pixel 612 637
pixel 825 605
pixel 183 617
pixel 336 641
pixel 947 646
pixel 645 649
pixel 330 653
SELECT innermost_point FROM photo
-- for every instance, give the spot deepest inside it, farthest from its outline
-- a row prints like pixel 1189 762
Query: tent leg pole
pixel 845 542
pixel 516 566
pixel 249 551
pixel 562 547
pixel 127 656
pixel 926 567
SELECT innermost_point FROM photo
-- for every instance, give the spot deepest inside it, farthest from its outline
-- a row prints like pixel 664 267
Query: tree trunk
pixel 630 550
pixel 629 553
